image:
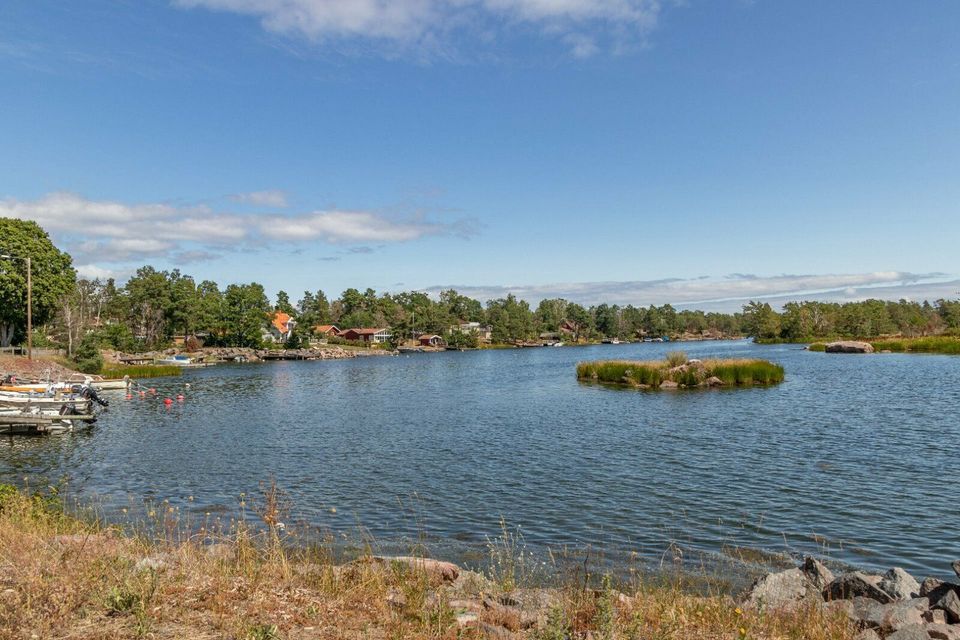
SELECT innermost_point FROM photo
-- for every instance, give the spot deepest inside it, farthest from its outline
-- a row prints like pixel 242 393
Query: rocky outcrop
pixel 849 346
pixel 784 590
pixel 893 606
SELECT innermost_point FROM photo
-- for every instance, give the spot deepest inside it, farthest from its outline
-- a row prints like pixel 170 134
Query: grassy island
pixel 676 371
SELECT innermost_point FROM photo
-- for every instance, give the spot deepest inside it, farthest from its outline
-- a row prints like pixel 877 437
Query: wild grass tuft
pixel 676 358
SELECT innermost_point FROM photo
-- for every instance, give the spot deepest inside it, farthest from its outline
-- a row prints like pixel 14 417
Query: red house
pixel 326 330
pixel 375 336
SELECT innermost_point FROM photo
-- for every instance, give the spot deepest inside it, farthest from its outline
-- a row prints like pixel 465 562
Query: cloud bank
pixel 434 24
pixel 731 292
pixel 100 231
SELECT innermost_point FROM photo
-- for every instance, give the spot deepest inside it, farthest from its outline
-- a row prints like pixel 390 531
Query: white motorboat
pixel 10 400
pixel 99 382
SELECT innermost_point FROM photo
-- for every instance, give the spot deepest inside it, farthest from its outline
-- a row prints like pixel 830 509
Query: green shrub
pixel 87 356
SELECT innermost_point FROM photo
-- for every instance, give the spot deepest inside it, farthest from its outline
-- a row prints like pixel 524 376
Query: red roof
pixel 280 320
pixel 326 328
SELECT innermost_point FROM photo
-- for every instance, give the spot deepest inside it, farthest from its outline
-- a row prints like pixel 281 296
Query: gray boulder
pixel 942 631
pixel 956 567
pixel 900 584
pixel 849 346
pixel 898 615
pixel 929 585
pixel 782 591
pixel 867 634
pixel 949 603
pixel 912 632
pixel 818 574
pixel 856 583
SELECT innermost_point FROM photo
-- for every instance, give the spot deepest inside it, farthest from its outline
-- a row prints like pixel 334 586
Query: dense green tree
pixel 283 304
pixel 246 309
pixel 550 313
pixel 87 356
pixel 510 319
pixel 580 319
pixel 761 321
pixel 52 274
pixel 461 308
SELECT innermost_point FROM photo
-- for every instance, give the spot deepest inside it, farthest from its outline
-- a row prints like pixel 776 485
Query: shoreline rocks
pixel 892 606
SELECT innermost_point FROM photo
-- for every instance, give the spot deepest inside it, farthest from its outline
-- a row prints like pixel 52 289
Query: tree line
pixel 154 306
pixel 811 320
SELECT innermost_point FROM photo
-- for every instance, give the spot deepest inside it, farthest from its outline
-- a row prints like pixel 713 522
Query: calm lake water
pixel 853 457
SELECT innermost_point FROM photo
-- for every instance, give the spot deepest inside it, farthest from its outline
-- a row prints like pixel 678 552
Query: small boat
pixel 181 361
pixel 10 400
pixel 557 344
pixel 99 382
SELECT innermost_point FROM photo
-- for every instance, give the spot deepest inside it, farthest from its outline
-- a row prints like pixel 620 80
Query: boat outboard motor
pixel 90 394
pixel 70 409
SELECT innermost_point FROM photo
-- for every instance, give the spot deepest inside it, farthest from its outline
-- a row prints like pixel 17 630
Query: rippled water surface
pixel 853 457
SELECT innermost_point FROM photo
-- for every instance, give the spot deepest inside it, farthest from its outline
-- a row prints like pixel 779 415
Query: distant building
pixel 427 340
pixel 373 336
pixel 484 332
pixel 326 330
pixel 280 328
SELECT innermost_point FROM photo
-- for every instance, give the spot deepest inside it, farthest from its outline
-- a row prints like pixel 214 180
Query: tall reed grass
pixel 949 345
pixel 141 371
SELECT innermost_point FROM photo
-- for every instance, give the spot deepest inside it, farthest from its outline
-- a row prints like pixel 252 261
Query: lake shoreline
pixel 248 582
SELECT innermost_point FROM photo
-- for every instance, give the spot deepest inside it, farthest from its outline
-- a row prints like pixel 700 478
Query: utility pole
pixel 29 310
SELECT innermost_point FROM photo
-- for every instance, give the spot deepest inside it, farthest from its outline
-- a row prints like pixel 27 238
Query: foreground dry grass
pixel 62 578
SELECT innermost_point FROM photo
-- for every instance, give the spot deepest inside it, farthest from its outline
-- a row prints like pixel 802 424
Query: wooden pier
pixel 33 424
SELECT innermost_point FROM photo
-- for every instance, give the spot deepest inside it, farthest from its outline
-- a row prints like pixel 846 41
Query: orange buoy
pixel 167 401
pixel 180 397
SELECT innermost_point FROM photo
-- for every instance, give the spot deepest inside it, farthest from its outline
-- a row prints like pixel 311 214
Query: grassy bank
pixel 65 577
pixel 949 345
pixel 934 344
pixel 677 369
pixel 141 371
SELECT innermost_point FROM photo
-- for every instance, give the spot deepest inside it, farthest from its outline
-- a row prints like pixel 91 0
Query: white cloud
pixel 111 232
pixel 730 292
pixel 271 198
pixel 424 23
pixel 338 227
pixel 93 272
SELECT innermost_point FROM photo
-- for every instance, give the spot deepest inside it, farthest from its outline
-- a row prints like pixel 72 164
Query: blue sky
pixel 697 152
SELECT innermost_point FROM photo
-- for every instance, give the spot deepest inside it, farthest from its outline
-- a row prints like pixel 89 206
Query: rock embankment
pixel 244 354
pixel 892 606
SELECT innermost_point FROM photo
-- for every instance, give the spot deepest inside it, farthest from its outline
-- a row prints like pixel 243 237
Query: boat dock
pixel 35 424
